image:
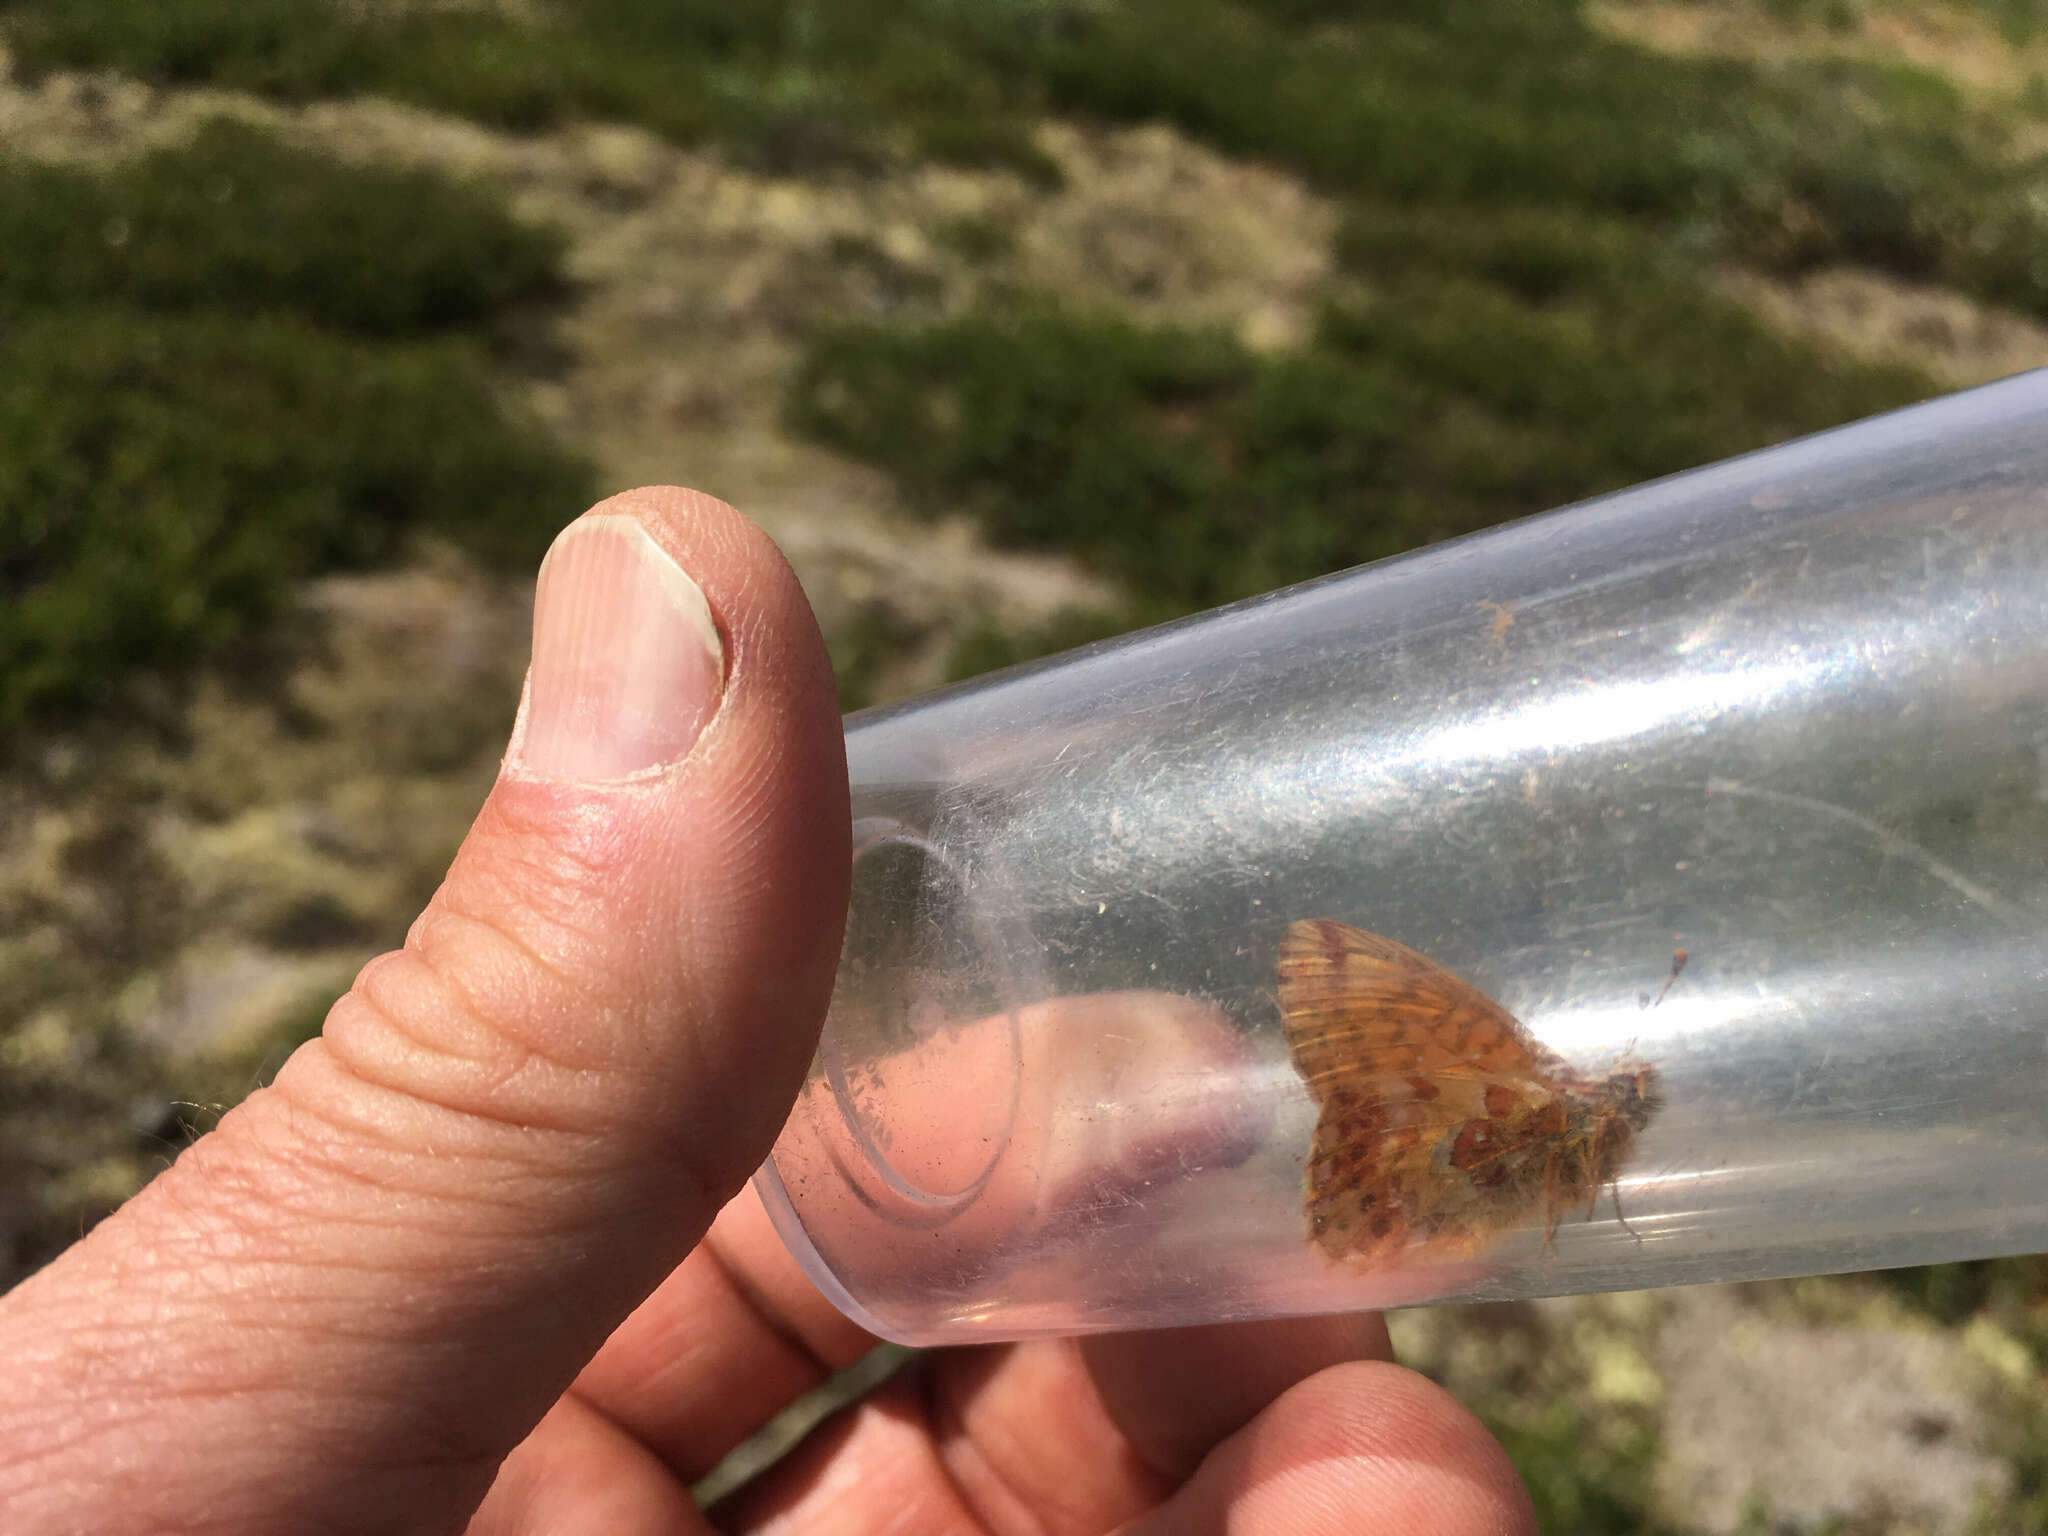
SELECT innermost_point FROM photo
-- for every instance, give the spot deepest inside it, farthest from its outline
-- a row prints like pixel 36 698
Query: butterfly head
pixel 1635 1092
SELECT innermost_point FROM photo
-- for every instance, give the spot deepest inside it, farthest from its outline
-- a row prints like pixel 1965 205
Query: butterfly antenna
pixel 1678 959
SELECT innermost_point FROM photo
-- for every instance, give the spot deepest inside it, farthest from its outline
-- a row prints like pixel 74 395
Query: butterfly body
pixel 1441 1123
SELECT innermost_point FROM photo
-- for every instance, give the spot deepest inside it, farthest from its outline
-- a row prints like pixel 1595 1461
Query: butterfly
pixel 1442 1124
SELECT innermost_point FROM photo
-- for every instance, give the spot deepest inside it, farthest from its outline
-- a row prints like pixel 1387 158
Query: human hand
pixel 458 1265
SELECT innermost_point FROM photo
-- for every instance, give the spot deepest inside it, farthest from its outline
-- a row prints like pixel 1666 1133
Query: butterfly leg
pixel 1614 1188
pixel 1551 1212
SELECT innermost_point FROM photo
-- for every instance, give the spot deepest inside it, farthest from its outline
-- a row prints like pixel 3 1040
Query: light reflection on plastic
pixel 1618 1030
pixel 1610 712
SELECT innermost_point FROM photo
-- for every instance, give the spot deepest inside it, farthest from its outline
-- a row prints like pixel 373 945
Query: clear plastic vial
pixel 1787 713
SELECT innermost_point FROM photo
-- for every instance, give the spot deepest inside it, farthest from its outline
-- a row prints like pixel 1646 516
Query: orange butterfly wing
pixel 1439 1118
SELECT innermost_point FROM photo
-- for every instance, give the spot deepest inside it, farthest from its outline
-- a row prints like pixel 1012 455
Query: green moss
pixel 1589 1478
pixel 2011 1292
pixel 2026 1507
pixel 988 646
pixel 228 367
pixel 1485 363
pixel 1488 103
pixel 789 86
pixel 976 237
pixel 1498 370
pixel 861 647
pixel 272 45
pixel 164 483
pixel 1604 357
pixel 1482 102
pixel 239 221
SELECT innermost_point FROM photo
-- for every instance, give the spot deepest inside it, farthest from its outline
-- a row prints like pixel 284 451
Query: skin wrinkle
pixel 773 991
pixel 556 849
pixel 549 860
pixel 289 1392
pixel 624 1428
pixel 379 1334
pixel 384 1323
pixel 217 1519
pixel 285 1183
pixel 889 1420
pixel 1176 1364
pixel 382 1334
pixel 437 1437
pixel 795 1374
pixel 465 1140
pixel 763 1313
pixel 477 941
pixel 625 1431
pixel 699 1335
pixel 72 1428
pixel 198 1292
pixel 209 1227
pixel 1149 1486
pixel 391 988
pixel 779 1319
pixel 454 922
pixel 959 1453
pixel 774 995
pixel 402 1506
pixel 582 1475
pixel 362 1028
pixel 260 1343
pixel 952 1444
pixel 282 1397
pixel 522 1074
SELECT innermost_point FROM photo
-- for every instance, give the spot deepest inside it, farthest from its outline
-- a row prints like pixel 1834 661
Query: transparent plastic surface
pixel 1788 713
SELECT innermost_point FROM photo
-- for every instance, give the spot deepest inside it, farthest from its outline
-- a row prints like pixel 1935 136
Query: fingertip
pixel 578 1474
pixel 1176 1393
pixel 1367 1447
pixel 759 1264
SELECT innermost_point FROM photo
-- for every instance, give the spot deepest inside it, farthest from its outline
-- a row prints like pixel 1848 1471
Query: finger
pixel 1360 1450
pixel 1057 1436
pixel 738 1331
pixel 1010 1111
pixel 1175 1393
pixel 873 1466
pixel 1085 1434
pixel 711 1356
pixel 345 1305
pixel 578 1474
pixel 725 1343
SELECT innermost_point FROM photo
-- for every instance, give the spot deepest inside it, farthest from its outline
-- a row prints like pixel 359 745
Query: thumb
pixel 344 1306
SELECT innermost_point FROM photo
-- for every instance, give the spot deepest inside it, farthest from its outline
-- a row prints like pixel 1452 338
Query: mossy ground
pixel 233 366
pixel 273 419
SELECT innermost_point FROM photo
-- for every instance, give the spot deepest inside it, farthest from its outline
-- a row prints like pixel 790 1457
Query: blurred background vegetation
pixel 1018 322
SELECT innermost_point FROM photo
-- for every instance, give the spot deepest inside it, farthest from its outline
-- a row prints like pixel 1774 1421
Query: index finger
pixel 738 1330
